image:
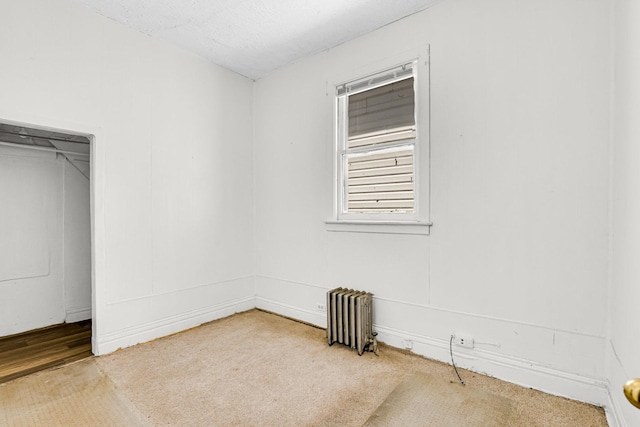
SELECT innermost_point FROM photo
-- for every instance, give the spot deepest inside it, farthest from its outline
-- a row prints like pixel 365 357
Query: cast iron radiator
pixel 350 319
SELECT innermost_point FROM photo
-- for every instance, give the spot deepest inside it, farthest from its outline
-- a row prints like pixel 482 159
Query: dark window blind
pixel 385 110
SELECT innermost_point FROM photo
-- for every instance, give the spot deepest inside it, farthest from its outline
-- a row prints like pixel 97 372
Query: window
pixel 377 134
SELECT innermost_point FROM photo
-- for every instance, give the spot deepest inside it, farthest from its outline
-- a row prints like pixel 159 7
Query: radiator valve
pixel 373 343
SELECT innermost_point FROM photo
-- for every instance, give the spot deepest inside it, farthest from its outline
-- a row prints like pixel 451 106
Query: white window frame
pixel 416 222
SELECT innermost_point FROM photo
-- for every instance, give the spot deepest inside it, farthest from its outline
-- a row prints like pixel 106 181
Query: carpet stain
pixel 78 394
pixel 422 400
pixel 259 369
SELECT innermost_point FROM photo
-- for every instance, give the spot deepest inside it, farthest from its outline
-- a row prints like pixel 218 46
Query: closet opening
pixel 45 250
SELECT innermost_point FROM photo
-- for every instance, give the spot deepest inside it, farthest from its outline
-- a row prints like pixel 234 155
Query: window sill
pixel 384 227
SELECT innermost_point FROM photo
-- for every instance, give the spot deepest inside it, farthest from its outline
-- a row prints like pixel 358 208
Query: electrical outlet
pixel 408 344
pixel 463 340
pixel 320 306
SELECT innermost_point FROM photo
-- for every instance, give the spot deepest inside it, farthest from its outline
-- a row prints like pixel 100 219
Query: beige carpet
pixel 77 395
pixel 424 400
pixel 258 369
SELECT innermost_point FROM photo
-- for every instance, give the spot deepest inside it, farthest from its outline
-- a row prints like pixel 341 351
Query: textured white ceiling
pixel 255 37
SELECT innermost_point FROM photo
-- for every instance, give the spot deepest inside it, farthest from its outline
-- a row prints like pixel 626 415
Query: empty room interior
pixel 164 165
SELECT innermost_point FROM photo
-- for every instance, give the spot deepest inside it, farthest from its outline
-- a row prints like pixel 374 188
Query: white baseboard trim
pixel 613 411
pixel 518 371
pixel 113 341
pixel 522 372
pixel 318 318
pixel 78 314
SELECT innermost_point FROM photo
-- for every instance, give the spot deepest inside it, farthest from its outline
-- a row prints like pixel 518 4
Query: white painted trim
pixel 612 410
pixel 318 318
pixel 438 309
pixel 78 314
pixel 385 227
pixel 127 337
pixel 485 317
pixel 175 291
pixel 518 371
pixel 97 141
pixel 512 369
pixel 420 56
pixel 295 282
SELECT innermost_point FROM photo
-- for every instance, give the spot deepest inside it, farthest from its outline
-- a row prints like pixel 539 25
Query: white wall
pixel 517 256
pixel 45 258
pixel 31 249
pixel 77 239
pixel 623 346
pixel 172 211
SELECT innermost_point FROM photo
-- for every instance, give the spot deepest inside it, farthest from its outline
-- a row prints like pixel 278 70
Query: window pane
pixel 381 181
pixel 385 109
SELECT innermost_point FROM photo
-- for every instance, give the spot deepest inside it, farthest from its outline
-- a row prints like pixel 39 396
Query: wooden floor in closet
pixel 29 352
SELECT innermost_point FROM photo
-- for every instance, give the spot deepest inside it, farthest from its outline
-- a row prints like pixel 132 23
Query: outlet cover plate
pixel 463 340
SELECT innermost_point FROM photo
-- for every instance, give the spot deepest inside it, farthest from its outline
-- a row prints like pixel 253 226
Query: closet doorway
pixel 45 224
